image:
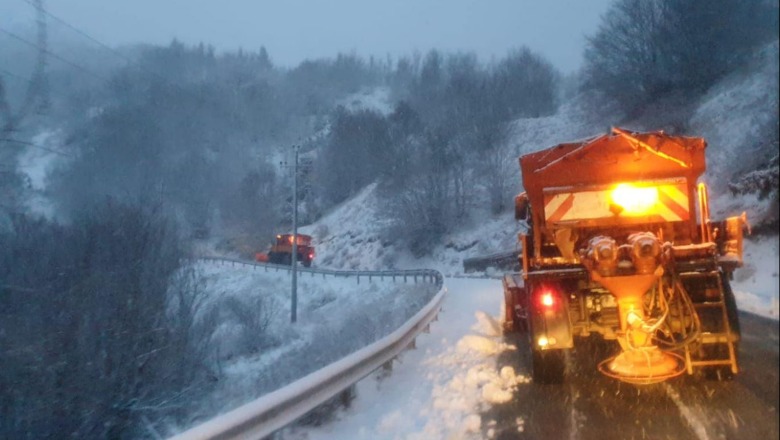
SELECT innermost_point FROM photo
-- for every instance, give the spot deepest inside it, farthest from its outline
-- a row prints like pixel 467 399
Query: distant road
pixel 590 406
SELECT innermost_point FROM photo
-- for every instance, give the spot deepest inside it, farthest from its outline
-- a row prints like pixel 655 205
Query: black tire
pixel 731 306
pixel 548 366
pixel 306 263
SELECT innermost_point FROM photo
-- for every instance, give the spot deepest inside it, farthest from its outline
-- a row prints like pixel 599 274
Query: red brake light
pixel 547 298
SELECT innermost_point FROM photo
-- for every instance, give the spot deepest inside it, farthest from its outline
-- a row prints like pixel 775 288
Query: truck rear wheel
pixel 548 366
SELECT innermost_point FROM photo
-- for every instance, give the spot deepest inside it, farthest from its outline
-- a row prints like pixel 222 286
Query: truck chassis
pixel 654 287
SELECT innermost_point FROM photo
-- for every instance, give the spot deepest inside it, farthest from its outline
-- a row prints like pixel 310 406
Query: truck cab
pixel 281 251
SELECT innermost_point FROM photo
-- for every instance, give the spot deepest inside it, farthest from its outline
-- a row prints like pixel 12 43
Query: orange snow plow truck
pixel 281 251
pixel 618 248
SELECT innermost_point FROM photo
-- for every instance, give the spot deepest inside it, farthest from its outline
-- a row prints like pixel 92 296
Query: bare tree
pixel 88 327
pixel 646 50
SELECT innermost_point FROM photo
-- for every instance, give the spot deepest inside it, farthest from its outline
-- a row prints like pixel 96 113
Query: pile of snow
pixel 756 285
pixel 441 389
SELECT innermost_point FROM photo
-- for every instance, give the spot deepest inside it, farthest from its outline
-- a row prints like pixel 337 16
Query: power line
pixel 52 54
pixel 98 42
pixel 80 32
pixel 41 147
pixel 13 75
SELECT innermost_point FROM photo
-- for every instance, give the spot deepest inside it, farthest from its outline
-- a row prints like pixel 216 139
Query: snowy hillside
pixel 354 237
pixel 730 117
pixel 246 310
pixel 374 99
pixel 734 117
pixel 460 378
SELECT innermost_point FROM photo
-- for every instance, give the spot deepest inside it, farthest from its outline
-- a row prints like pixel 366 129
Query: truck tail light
pixel 547 298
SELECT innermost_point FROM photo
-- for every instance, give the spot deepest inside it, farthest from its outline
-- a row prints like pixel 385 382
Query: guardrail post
pixel 347 396
pixel 369 278
pixel 412 345
pixel 388 366
pixel 404 278
pixel 358 278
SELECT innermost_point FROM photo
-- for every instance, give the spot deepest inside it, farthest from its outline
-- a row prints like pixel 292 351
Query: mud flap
pixel 514 293
pixel 551 327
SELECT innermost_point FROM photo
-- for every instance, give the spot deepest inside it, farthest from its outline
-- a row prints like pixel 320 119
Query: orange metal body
pixel 281 251
pixel 614 220
pixel 606 160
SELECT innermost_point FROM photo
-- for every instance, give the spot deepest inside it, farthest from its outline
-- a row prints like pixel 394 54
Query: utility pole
pixel 294 307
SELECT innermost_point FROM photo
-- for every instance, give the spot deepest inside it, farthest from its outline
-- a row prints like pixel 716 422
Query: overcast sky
pixel 293 30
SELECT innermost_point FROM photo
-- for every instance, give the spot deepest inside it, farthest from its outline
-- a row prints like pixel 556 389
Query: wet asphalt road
pixel 591 406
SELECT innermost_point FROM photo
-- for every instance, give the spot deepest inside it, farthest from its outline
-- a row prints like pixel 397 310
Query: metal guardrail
pixel 424 275
pixel 262 417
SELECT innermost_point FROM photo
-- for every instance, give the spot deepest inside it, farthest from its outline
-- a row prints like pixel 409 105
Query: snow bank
pixel 442 389
pixel 756 284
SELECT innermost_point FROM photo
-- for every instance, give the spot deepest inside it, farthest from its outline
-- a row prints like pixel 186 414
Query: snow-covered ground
pixel 256 349
pixel 36 163
pixel 338 316
pixel 375 99
pixel 457 360
pixel 460 378
pixel 756 284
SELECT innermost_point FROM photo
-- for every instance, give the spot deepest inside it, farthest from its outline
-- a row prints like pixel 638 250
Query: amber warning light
pixel 633 199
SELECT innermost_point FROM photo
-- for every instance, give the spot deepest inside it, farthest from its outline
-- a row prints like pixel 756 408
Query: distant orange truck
pixel 281 251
